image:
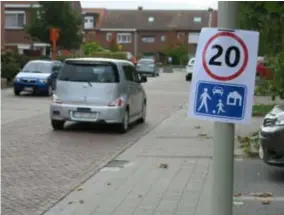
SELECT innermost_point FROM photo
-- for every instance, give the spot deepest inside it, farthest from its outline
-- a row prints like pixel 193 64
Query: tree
pixel 267 18
pixel 178 50
pixel 59 14
pixel 113 44
pixel 92 47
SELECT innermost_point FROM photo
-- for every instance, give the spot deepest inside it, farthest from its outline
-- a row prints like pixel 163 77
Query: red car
pixel 262 71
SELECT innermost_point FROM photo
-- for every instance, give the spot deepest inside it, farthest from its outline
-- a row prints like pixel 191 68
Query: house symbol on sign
pixel 234 99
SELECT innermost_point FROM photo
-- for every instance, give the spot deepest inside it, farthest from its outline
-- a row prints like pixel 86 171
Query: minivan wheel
pixel 123 126
pixel 57 124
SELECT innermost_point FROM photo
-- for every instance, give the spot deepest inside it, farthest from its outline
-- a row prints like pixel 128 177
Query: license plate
pixel 28 89
pixel 85 115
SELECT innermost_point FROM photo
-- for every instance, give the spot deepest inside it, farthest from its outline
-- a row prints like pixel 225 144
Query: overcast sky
pixel 151 4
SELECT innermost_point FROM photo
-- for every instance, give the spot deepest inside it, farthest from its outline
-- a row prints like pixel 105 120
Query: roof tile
pixel 162 19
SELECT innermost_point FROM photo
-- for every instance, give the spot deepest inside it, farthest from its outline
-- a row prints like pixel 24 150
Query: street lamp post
pixel 224 136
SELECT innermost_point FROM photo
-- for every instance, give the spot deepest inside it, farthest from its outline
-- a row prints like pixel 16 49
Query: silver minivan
pixel 98 90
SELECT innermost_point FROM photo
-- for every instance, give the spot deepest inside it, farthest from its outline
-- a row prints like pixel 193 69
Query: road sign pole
pixel 224 133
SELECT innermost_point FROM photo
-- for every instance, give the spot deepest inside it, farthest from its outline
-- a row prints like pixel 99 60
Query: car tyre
pixel 144 113
pixel 49 90
pixel 57 124
pixel 17 92
pixel 124 125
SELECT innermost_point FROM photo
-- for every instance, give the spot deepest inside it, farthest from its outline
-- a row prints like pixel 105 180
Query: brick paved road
pixel 40 166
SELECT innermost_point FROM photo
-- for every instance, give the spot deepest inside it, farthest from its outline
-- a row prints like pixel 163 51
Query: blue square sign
pixel 217 100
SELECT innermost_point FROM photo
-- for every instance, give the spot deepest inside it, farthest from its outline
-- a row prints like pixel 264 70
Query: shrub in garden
pixel 114 55
pixel 91 47
pixel 276 65
pixel 10 65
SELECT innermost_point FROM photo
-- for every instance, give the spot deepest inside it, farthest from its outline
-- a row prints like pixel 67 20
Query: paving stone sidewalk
pixel 167 172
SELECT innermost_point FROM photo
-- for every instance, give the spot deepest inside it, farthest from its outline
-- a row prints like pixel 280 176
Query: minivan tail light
pixel 119 102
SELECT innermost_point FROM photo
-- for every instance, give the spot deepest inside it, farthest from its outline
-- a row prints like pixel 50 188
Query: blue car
pixel 37 76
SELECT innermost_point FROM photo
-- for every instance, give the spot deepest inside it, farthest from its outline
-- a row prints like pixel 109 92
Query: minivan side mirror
pixel 143 79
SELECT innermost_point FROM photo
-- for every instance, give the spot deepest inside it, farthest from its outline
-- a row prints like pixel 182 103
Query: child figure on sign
pixel 220 107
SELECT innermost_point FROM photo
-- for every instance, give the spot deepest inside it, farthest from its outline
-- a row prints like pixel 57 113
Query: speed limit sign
pixel 223 80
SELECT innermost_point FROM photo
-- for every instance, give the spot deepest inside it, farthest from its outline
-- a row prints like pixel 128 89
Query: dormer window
pixel 197 19
pixel 151 19
pixel 89 22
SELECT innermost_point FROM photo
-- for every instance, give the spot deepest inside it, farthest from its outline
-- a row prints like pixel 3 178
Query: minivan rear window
pixel 94 72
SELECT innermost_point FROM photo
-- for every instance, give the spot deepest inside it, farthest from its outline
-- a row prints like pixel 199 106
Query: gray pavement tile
pixel 137 196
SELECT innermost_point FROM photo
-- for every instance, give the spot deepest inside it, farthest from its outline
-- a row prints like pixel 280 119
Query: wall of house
pixel 2 25
pixel 17 35
pixel 100 37
pixel 156 47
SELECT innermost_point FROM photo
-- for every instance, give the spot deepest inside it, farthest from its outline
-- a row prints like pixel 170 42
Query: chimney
pixel 140 8
pixel 210 11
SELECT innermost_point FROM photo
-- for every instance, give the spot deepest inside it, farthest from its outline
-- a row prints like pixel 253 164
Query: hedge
pixel 12 62
pixel 114 55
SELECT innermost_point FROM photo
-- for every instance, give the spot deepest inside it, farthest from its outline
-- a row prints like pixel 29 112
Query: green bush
pixel 10 65
pixel 276 65
pixel 91 47
pixel 114 55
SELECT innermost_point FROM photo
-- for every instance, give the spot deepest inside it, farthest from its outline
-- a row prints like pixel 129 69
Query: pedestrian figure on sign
pixel 220 107
pixel 204 97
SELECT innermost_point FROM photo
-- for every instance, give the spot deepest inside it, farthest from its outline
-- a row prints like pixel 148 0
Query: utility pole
pixel 224 135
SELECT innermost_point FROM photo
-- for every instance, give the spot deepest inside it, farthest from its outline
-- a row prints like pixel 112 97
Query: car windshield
pixel 146 61
pixel 94 72
pixel 37 67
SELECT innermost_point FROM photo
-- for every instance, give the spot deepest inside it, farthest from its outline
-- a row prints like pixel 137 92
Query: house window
pixel 163 38
pixel 108 36
pixel 15 19
pixel 89 22
pixel 180 35
pixel 151 19
pixel 148 39
pixel 197 19
pixel 123 38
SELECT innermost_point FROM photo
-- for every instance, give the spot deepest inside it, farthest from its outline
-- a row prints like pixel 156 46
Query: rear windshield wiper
pixel 89 83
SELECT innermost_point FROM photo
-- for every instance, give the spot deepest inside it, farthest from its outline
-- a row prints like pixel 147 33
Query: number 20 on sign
pixel 223 81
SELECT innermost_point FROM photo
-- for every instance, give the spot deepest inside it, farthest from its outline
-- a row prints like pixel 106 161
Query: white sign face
pixel 223 79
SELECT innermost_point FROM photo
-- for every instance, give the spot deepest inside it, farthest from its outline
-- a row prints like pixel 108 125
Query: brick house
pixel 14 16
pixel 146 32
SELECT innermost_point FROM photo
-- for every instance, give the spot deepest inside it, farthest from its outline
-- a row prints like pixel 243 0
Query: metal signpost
pixel 222 90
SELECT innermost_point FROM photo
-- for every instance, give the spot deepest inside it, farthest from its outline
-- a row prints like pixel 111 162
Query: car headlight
pixel 279 122
pixel 17 79
pixel 44 81
pixel 56 99
pixel 280 119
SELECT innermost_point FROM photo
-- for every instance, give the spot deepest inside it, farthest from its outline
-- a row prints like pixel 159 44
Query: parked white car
pixel 189 69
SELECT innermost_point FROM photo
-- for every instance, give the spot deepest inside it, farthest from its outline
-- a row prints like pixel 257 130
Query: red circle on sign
pixel 240 71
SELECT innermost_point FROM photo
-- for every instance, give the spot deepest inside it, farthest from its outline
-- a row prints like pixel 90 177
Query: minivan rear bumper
pixel 104 114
